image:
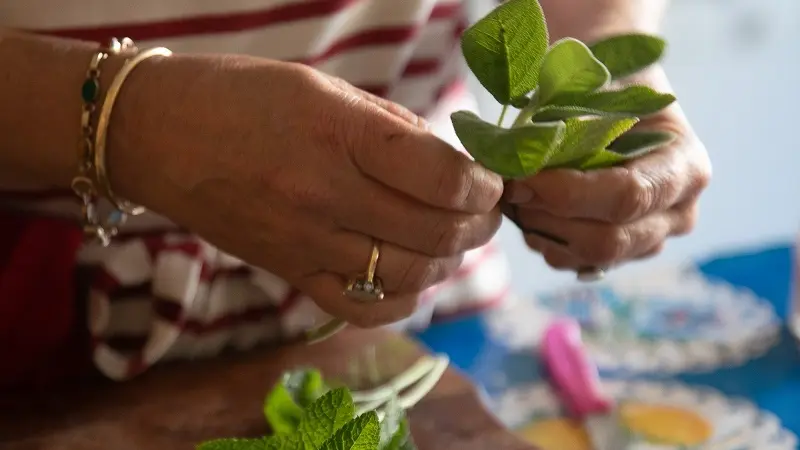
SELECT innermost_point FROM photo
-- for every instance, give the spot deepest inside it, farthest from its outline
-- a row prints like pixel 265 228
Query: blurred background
pixel 735 66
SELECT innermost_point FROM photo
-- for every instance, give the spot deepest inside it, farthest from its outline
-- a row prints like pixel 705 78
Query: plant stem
pixel 527 112
pixel 502 116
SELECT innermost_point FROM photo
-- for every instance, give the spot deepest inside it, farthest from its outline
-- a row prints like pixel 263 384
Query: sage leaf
pixel 569 67
pixel 504 50
pixel 555 113
pixel 630 145
pixel 325 416
pixel 636 143
pixel 520 102
pixel 363 433
pixel 586 136
pixel 512 153
pixel 635 100
pixel 627 54
pixel 283 406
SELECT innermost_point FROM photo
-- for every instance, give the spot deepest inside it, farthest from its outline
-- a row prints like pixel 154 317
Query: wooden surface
pixel 179 405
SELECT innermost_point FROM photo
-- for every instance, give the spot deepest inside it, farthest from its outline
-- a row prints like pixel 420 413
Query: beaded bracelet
pixel 83 183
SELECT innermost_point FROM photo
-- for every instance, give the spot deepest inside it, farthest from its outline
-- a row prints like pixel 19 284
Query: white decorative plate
pixel 659 325
pixel 727 424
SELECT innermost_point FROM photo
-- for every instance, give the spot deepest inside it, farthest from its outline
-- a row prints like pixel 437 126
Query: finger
pixel 391 217
pixel 400 270
pixel 623 194
pixel 420 165
pixel 326 290
pixel 555 255
pixel 601 244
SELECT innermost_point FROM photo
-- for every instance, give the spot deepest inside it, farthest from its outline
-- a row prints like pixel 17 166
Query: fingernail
pixel 517 193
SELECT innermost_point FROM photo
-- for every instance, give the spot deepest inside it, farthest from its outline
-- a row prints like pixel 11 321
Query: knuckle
pixel 456 182
pixel 635 200
pixel 687 220
pixel 421 273
pixel 608 247
pixel 452 237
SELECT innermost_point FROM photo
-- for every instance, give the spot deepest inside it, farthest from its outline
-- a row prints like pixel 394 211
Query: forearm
pixel 591 20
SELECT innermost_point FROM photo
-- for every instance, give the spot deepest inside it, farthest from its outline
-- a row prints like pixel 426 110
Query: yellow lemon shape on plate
pixel 666 424
pixel 556 434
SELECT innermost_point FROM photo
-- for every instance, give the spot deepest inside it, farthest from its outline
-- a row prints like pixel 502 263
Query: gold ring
pixel 367 287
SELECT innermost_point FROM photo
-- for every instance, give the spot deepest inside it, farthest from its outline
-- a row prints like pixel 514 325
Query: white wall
pixel 735 65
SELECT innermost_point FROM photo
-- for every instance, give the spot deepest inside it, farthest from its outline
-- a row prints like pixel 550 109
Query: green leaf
pixel 362 433
pixel 554 112
pixel 637 143
pixel 520 102
pixel 635 100
pixel 233 444
pixel 512 153
pixel 630 145
pixel 569 67
pixel 627 54
pixel 587 136
pixel 283 406
pixel 325 416
pixel 505 49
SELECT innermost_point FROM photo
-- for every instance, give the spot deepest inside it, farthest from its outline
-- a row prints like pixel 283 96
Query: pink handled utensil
pixel 576 381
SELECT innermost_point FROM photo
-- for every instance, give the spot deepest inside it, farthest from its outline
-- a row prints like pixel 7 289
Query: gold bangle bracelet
pixel 101 174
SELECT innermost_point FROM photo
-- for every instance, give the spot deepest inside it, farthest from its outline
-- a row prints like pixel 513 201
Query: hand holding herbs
pixel 305 413
pixel 579 112
pixel 568 117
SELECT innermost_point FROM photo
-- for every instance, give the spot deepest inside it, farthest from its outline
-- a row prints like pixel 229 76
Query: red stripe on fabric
pixel 144 291
pixel 367 38
pixel 173 313
pixel 222 23
pixel 206 24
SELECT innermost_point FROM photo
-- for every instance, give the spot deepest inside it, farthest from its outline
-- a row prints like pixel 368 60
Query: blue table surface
pixel 771 381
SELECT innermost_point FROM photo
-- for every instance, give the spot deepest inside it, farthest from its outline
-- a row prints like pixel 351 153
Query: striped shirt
pixel 159 293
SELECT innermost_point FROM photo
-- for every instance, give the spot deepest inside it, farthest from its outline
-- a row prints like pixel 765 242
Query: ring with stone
pixel 367 287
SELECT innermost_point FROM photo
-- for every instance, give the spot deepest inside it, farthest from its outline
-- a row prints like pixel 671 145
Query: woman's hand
pixel 296 172
pixel 606 217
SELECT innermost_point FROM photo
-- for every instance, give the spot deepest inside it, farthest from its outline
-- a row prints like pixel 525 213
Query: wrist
pixel 591 21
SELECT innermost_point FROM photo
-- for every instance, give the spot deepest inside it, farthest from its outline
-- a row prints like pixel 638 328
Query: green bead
pixel 89 90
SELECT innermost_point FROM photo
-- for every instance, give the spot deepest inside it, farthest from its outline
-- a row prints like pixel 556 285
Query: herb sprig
pixel 569 117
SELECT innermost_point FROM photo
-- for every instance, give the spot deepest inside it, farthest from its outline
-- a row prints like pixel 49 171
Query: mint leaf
pixel 325 416
pixel 627 54
pixel 554 113
pixel 513 153
pixel 635 100
pixel 233 444
pixel 283 406
pixel 362 433
pixel 505 49
pixel 587 136
pixel 569 67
